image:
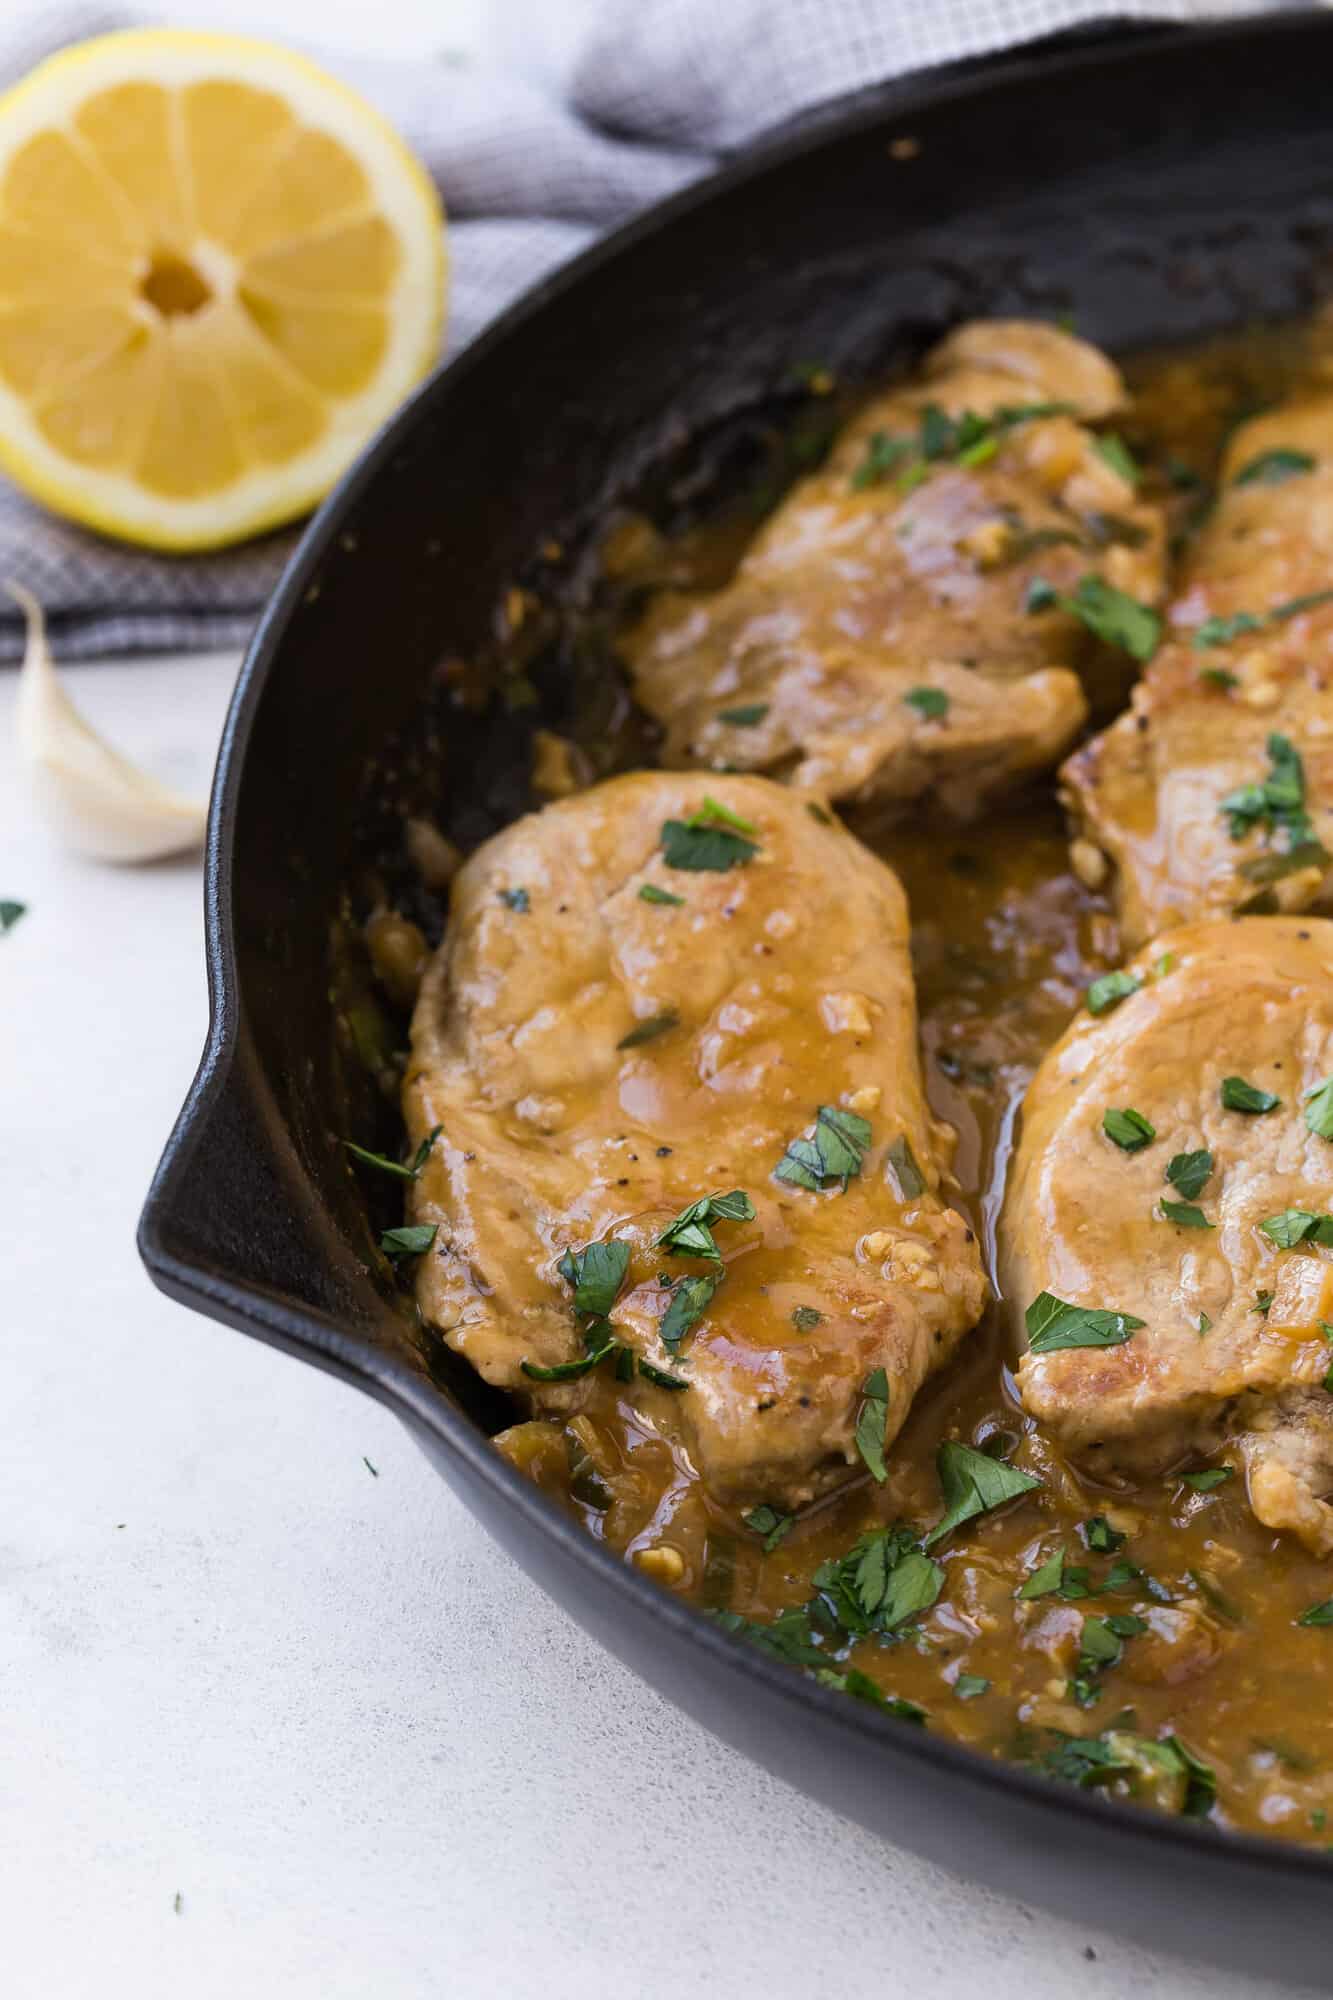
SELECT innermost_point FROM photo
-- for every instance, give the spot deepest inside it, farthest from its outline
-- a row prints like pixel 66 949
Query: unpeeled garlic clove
pixel 93 799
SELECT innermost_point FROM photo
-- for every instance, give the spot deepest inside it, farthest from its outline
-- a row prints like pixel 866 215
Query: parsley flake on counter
pixel 711 841
pixel 650 893
pixel 409 1172
pixel 968 1686
pixel 770 1525
pixel 1108 991
pixel 1188 1173
pixel 1053 1324
pixel 744 718
pixel 596 1273
pixel 1185 1214
pixel 871 1422
pixel 806 1318
pixel 834 1153
pixel 1319 1109
pixel 1298 1225
pixel 413 1239
pixel 1109 614
pixel 1128 1129
pixel 10 912
pixel 690 1233
pixel 931 704
pixel 1273 468
pixel 688 1301
pixel 1209 1481
pixel 1318 1614
pixel 516 899
pixel 973 1484
pixel 1238 1095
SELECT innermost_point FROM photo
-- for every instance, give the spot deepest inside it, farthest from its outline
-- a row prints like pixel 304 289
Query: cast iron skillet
pixel 1157 188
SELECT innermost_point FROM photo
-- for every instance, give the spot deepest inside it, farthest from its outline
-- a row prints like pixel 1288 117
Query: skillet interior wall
pixel 1152 201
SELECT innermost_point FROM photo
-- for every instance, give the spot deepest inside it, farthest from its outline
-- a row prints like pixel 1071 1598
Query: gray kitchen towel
pixel 655 95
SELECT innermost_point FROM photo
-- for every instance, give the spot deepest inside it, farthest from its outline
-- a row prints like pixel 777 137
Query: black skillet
pixel 1157 189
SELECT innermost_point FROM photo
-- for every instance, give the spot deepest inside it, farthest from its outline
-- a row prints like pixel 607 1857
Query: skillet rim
pixel 310 1335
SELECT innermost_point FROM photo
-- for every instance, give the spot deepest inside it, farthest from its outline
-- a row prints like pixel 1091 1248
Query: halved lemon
pixel 220 271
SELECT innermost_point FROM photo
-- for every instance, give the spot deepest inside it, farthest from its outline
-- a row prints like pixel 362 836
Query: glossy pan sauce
pixel 1197 1607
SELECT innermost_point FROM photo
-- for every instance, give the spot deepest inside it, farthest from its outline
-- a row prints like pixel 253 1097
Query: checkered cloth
pixel 655 95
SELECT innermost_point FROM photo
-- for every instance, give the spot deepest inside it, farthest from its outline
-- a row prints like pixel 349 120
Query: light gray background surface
pixel 314 1704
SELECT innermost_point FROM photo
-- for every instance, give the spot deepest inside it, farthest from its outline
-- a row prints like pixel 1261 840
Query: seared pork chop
pixel 1170 1179
pixel 647 997
pixel 1214 792
pixel 877 640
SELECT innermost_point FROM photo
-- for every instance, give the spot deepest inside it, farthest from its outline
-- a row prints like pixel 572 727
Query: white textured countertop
pixel 271 1723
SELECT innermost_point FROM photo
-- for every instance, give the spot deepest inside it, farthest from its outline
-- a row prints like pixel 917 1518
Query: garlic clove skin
pixel 94 800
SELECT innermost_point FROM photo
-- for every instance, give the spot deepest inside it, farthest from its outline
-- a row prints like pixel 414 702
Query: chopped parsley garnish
pixel 911 1181
pixel 1262 1302
pixel 688 1301
pixel 1053 1324
pixel 769 1525
pixel 806 1318
pixel 1113 617
pixel 650 893
pixel 1108 991
pixel 1272 468
pixel 1298 1225
pixel 881 1582
pixel 1185 1214
pixel 1205 1325
pixel 516 899
pixel 1319 1109
pixel 596 1273
pixel 1118 456
pixel 1088 1761
pixel 649 1030
pixel 1101 1537
pixel 1318 1614
pixel 690 1233
pixel 600 1345
pixel 968 1686
pixel 1046 1579
pixel 973 1484
pixel 10 912
pixel 412 1240
pixel 1238 1095
pixel 660 1376
pixel 1209 1481
pixel 1128 1129
pixel 871 1422
pixel 931 704
pixel 711 841
pixel 1218 677
pixel 744 718
pixel 1188 1172
pixel 834 1153
pixel 862 1688
pixel 1221 631
pixel 410 1172
pixel 883 455
pixel 787 1638
pixel 1277 803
